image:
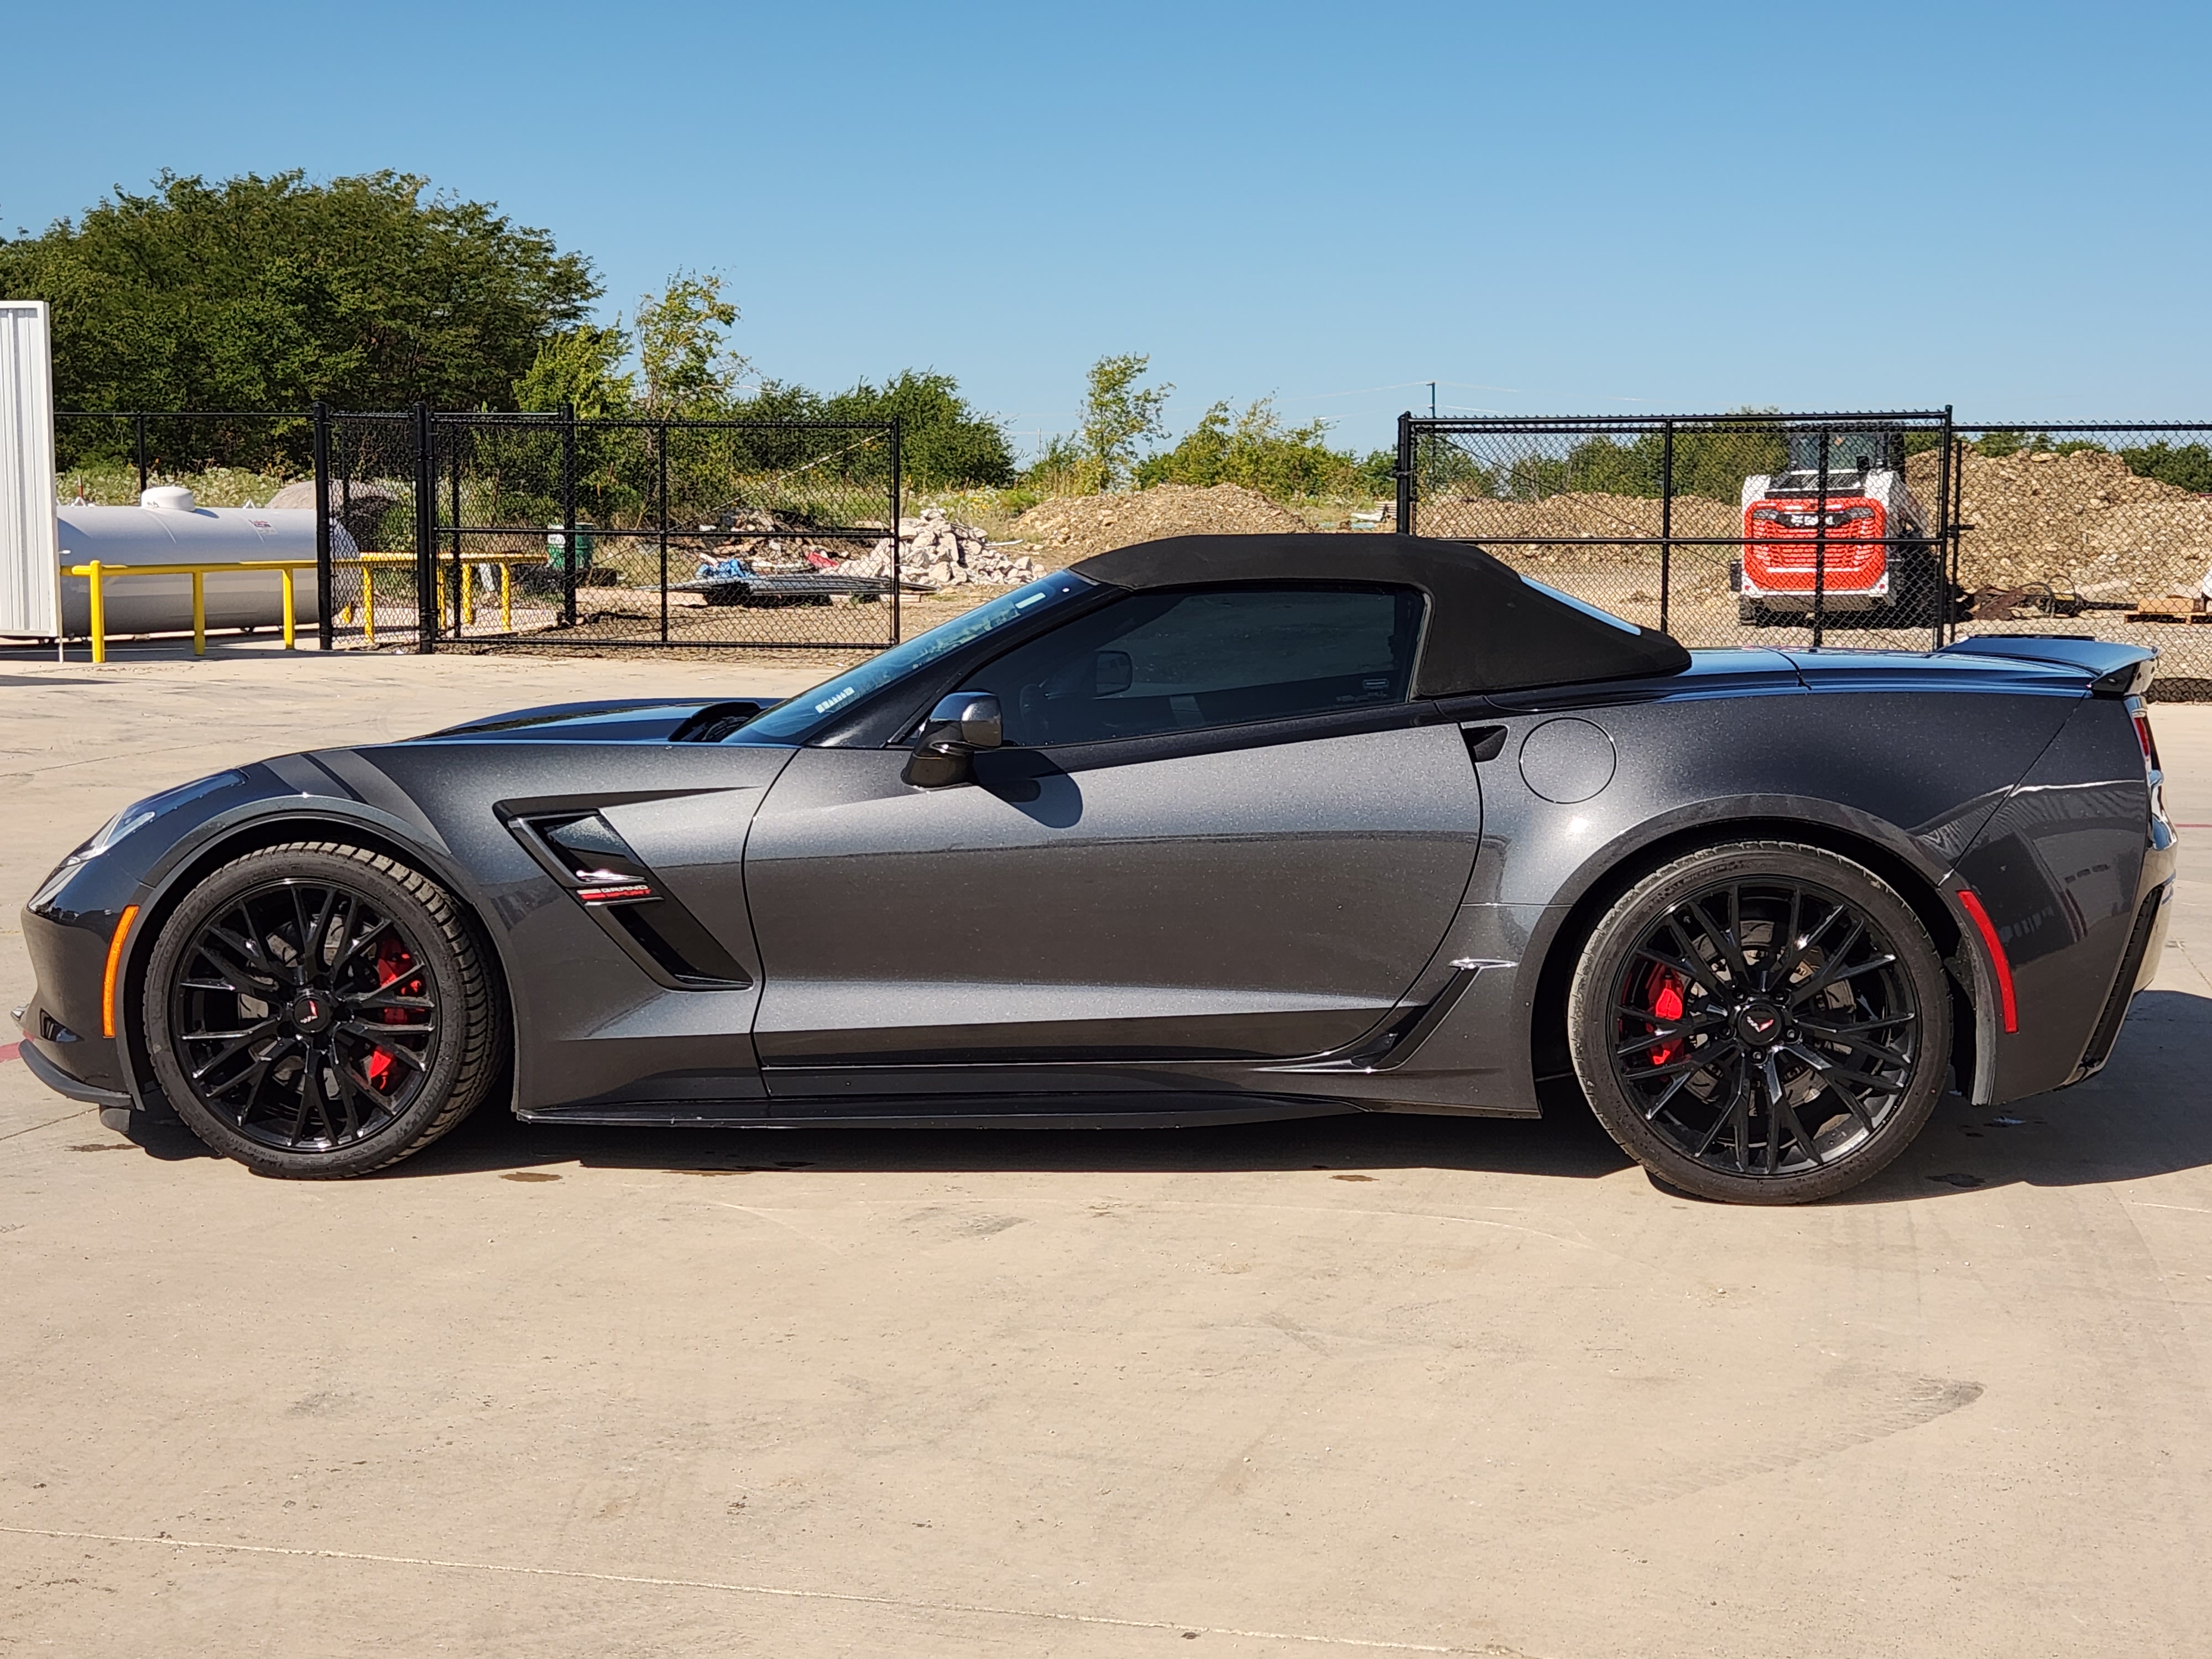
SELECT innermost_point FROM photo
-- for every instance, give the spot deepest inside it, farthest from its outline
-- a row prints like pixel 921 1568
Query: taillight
pixel 2148 742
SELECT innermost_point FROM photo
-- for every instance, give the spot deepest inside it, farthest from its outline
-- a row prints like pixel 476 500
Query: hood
pixel 628 720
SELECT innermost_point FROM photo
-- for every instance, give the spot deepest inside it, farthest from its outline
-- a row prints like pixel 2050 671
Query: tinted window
pixel 795 721
pixel 1178 661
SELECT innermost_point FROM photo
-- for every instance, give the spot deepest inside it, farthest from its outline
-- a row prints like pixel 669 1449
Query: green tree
pixel 267 293
pixel 1118 415
pixel 2185 466
pixel 683 349
pixel 581 367
pixel 943 442
pixel 1254 449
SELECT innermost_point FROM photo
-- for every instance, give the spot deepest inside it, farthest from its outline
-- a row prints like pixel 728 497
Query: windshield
pixel 793 721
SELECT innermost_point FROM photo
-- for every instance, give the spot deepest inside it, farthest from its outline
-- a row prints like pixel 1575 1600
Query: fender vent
pixel 2124 987
pixel 587 855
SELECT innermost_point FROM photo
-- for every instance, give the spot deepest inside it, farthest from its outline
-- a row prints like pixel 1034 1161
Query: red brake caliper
pixel 392 961
pixel 1663 991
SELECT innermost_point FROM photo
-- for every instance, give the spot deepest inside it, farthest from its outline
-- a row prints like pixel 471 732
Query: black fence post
pixel 1402 508
pixel 1665 522
pixel 323 585
pixel 1945 513
pixel 1821 544
pixel 567 515
pixel 663 532
pixel 138 426
pixel 453 498
pixel 895 481
pixel 426 539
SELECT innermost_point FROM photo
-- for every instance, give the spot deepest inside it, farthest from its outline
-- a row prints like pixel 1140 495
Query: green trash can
pixel 556 559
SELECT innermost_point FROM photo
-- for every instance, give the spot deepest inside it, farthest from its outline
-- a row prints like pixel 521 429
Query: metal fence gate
pixel 484 531
pixel 1719 530
pixel 1766 528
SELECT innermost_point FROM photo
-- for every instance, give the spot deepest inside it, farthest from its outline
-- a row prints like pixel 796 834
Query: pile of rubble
pixel 1071 527
pixel 936 552
pixel 2080 521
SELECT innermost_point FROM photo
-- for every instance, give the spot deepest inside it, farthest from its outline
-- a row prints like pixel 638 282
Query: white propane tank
pixel 168 526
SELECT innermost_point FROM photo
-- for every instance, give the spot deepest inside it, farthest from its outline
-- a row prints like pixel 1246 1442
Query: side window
pixel 1207 657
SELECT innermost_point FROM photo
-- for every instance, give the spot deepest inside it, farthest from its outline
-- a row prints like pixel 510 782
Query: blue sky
pixel 1547 209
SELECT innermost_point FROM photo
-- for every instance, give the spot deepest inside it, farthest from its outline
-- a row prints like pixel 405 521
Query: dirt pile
pixel 1071 527
pixel 2080 521
pixel 1575 517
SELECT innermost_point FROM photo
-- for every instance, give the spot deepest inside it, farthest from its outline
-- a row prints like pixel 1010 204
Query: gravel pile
pixel 2080 521
pixel 1071 527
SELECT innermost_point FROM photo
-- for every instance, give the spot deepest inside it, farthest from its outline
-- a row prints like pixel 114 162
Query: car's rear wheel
pixel 1761 1022
pixel 319 1010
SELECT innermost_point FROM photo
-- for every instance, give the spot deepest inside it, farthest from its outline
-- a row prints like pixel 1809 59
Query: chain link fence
pixel 1763 529
pixel 1897 529
pixel 2075 529
pixel 486 531
pixel 1893 530
pixel 549 530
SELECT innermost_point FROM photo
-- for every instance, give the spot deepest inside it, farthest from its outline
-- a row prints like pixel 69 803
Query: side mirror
pixel 1113 673
pixel 959 726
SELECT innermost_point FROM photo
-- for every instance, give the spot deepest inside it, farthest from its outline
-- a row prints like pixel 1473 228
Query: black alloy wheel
pixel 1763 1023
pixel 318 1010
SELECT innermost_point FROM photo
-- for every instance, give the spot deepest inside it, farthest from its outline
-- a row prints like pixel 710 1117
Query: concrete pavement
pixel 1396 1385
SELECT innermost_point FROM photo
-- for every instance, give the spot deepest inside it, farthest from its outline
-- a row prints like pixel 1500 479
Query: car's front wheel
pixel 319 1010
pixel 1761 1023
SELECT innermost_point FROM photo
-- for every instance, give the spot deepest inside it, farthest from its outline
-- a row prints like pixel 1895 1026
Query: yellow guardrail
pixel 100 575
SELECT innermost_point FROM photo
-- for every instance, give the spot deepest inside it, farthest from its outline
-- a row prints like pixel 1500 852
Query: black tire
pixel 319 1010
pixel 1690 1009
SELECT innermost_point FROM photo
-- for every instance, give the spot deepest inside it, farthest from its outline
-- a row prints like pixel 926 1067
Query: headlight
pixel 140 813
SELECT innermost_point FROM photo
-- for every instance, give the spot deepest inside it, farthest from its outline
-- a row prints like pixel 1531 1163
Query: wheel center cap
pixel 313 1011
pixel 1758 1024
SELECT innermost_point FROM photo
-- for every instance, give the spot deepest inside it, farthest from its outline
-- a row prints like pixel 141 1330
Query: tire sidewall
pixel 1591 1037
pixel 262 869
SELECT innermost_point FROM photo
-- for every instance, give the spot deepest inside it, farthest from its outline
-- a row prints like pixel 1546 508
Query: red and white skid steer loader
pixel 1877 557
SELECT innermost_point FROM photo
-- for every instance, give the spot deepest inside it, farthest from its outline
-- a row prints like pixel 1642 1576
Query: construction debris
pixel 935 552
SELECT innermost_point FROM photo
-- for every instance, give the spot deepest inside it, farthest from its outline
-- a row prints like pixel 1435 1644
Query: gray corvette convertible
pixel 1199 831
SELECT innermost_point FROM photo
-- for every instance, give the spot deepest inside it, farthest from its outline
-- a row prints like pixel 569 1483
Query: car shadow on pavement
pixel 2148 1113
pixel 1568 1144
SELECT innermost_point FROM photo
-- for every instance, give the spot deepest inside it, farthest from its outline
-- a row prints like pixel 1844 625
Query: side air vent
pixel 716 721
pixel 2123 988
pixel 587 855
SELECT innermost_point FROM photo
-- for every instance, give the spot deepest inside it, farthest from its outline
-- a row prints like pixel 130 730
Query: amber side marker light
pixel 1989 931
pixel 114 962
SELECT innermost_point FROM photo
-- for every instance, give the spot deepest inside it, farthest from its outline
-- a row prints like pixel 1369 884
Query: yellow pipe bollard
pixel 506 597
pixel 98 614
pixel 199 614
pixel 290 630
pixel 368 602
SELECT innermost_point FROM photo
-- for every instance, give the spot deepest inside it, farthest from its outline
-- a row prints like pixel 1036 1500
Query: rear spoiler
pixel 2113 670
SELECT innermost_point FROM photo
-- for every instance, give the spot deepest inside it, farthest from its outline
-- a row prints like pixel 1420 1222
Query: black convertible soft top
pixel 1488 630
